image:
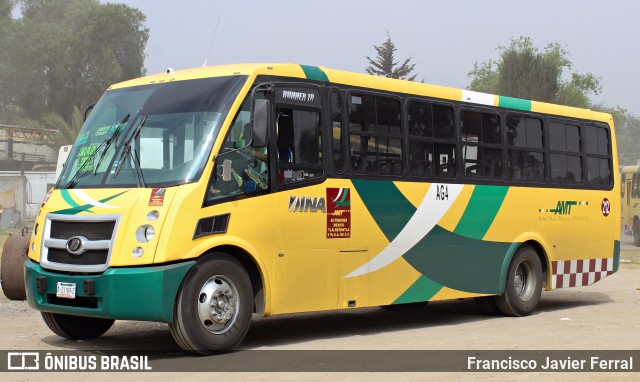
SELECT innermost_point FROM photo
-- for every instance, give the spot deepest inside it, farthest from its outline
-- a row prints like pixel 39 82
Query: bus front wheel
pixel 213 307
pixel 76 327
pixel 524 284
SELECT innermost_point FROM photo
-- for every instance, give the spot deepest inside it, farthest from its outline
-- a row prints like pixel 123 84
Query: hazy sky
pixel 445 37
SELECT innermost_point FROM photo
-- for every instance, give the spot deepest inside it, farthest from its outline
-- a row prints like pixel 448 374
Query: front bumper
pixel 140 293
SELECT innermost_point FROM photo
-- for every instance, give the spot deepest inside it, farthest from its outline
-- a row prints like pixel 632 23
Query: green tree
pixel 524 71
pixel 6 6
pixel 68 131
pixel 628 142
pixel 61 55
pixel 385 65
pixel 627 133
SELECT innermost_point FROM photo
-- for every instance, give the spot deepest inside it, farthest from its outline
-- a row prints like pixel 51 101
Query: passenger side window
pixel 525 149
pixel 598 157
pixel 482 148
pixel 431 140
pixel 566 157
pixel 375 144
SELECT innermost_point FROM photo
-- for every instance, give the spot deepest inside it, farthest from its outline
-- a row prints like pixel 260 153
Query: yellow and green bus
pixel 630 206
pixel 201 197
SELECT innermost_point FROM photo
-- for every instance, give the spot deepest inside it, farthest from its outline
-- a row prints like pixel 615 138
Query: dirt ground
pixel 603 316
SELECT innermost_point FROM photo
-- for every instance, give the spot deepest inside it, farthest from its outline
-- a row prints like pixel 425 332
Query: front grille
pixel 91 257
pixel 90 230
pixel 96 232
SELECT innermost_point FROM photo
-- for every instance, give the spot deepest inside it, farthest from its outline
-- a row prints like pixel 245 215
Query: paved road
pixel 599 317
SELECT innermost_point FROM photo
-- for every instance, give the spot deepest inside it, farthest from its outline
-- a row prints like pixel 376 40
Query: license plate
pixel 66 290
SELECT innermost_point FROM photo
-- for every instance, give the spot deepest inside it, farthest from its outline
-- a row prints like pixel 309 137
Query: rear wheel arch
pixel 523 284
pixel 515 247
pixel 544 260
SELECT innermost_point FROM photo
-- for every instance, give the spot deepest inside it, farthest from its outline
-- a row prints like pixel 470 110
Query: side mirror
pixel 260 122
pixel 88 111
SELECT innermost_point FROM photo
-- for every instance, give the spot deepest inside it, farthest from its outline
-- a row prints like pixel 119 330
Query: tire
pixel 201 327
pixel 636 232
pixel 524 284
pixel 14 254
pixel 410 307
pixel 76 327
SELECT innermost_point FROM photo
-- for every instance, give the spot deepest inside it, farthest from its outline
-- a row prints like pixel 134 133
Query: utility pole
pixel 23 190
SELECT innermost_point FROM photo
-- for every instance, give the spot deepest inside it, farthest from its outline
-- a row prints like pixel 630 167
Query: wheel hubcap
pixel 218 303
pixel 523 281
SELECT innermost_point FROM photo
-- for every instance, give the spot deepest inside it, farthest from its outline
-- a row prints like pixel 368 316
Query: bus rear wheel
pixel 636 232
pixel 76 327
pixel 213 307
pixel 524 284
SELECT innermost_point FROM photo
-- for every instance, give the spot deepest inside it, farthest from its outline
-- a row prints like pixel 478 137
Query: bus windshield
pixel 156 135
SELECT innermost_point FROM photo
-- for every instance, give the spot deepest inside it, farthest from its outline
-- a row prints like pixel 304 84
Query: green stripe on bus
pixel 314 73
pixel 481 210
pixel 76 209
pixel 387 205
pixel 67 198
pixel 514 103
pixel 459 262
pixel 422 290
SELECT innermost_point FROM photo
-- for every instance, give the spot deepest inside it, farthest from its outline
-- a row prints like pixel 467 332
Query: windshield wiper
pixel 104 145
pixel 127 150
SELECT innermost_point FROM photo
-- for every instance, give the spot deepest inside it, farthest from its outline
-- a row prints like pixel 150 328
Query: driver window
pixel 299 145
pixel 249 165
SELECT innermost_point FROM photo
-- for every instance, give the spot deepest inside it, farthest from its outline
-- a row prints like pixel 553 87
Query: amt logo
pixel 564 207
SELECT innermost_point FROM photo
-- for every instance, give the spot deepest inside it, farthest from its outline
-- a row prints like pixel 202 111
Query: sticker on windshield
pixel 111 129
pixel 85 157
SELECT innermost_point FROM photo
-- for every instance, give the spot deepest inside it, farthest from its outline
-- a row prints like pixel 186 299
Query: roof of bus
pixel 368 81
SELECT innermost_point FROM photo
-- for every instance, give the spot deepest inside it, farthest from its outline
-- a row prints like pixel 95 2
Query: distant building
pixel 27 171
pixel 16 142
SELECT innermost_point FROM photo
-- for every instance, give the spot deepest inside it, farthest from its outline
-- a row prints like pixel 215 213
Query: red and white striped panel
pixel 572 273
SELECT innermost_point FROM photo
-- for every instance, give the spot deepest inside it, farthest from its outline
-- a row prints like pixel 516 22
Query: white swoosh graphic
pixel 89 200
pixel 423 220
pixel 339 195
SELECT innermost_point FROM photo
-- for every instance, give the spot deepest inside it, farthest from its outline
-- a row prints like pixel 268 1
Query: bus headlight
pixel 145 233
pixel 137 252
pixel 153 215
